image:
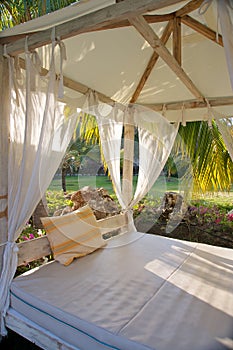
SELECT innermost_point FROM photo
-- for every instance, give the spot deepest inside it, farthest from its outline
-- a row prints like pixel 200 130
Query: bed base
pixel 34 333
pixel 35 249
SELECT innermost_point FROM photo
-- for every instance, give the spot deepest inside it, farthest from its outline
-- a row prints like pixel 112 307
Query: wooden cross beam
pixel 174 24
pixel 154 58
pixel 191 6
pixel 151 37
pixel 202 29
pixel 177 39
pixel 191 104
pixel 127 178
pixel 91 21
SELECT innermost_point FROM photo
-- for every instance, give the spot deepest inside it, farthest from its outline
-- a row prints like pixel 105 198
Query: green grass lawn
pixel 162 185
pixel 74 183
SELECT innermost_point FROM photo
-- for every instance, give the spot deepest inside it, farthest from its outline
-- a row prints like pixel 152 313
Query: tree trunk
pixel 40 212
pixel 63 179
pixel 169 174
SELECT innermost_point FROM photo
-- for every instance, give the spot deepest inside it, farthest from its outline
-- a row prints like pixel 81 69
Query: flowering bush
pixel 200 222
pixel 29 232
pixel 55 201
pixel 207 215
pixel 230 217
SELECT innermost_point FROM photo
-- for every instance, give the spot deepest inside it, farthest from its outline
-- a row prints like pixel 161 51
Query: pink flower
pixel 203 210
pixel 25 238
pixel 31 236
pixel 192 208
pixel 230 217
pixel 218 220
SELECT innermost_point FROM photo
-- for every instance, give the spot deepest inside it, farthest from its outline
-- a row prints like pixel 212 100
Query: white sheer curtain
pixel 40 131
pixel 110 122
pixel 225 13
pixel 225 126
pixel 156 138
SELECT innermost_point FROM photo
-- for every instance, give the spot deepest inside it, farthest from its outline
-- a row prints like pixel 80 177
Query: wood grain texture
pixel 202 29
pixel 89 22
pixel 127 180
pixel 189 7
pixel 177 39
pixel 34 333
pixel 154 58
pixel 39 247
pixel 213 101
pixel 151 37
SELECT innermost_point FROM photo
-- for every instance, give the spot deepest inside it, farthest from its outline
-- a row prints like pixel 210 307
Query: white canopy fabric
pixel 112 61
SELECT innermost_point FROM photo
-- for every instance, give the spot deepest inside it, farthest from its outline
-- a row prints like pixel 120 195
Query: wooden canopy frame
pixel 121 14
pixel 130 13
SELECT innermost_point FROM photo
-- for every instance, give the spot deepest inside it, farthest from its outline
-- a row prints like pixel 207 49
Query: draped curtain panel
pixel 225 126
pixel 225 13
pixel 156 138
pixel 40 130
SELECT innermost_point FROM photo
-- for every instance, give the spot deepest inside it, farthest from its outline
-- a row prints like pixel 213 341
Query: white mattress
pixel 140 292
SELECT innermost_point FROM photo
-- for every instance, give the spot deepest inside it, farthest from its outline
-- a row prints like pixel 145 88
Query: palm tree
pixel 87 128
pixel 14 12
pixel 212 167
pixel 73 158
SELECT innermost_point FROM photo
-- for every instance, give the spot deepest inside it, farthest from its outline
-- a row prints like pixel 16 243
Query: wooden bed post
pixel 127 181
pixel 4 131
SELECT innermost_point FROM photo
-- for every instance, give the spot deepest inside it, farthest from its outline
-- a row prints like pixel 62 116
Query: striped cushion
pixel 73 235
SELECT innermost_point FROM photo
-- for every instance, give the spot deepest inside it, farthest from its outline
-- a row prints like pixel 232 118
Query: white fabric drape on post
pixel 156 138
pixel 40 131
pixel 225 13
pixel 225 126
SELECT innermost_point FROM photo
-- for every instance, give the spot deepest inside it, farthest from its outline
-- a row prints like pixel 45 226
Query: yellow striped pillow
pixel 73 235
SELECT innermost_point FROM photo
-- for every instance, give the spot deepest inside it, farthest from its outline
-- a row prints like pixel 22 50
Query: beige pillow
pixel 73 235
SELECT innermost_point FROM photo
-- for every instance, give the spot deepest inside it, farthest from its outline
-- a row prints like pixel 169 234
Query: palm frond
pixel 212 167
pixel 88 128
pixel 15 12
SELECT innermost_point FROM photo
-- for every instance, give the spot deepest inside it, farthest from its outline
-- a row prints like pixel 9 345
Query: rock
pixel 98 199
pixel 58 212
pixel 78 200
pixel 172 205
pixel 66 210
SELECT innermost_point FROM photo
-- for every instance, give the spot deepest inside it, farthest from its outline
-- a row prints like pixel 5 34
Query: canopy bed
pixel 145 65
